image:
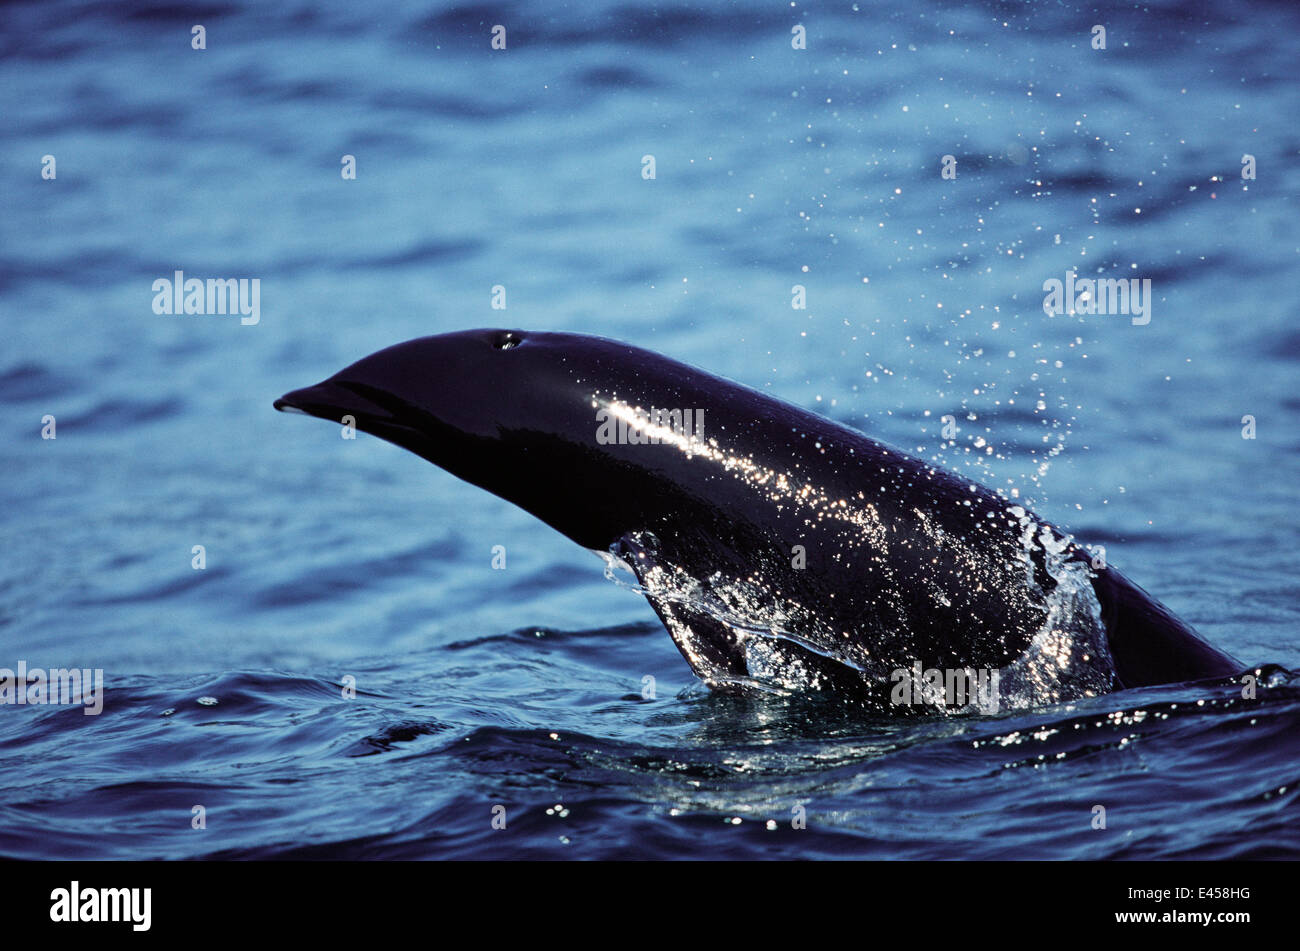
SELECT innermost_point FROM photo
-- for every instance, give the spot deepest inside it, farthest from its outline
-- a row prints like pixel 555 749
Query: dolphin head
pixel 514 412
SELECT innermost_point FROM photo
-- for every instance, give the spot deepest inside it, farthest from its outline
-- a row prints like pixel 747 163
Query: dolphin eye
pixel 506 340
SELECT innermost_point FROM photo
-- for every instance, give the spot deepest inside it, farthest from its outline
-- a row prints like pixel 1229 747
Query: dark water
pixel 328 559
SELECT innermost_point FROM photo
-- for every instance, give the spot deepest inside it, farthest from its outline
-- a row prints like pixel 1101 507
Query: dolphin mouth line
pixel 284 406
pixel 335 401
pixel 330 400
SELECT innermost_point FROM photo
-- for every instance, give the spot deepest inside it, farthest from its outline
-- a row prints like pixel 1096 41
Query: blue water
pixel 329 559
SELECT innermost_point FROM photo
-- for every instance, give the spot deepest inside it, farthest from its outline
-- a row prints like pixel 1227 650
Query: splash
pixel 784 643
pixel 776 634
pixel 1068 657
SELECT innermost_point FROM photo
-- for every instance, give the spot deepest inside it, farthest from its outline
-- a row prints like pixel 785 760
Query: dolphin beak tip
pixel 284 405
pixel 297 401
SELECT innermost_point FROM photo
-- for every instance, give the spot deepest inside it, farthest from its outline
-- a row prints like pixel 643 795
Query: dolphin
pixel 782 550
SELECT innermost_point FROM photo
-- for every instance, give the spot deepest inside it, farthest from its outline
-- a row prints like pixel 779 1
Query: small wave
pixel 116 415
pixel 31 381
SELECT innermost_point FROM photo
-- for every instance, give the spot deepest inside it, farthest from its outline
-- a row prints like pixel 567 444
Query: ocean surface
pixel 520 695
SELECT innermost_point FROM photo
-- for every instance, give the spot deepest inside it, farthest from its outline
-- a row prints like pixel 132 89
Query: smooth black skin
pixel 515 413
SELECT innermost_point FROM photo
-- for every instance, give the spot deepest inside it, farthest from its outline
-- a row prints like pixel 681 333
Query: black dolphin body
pixel 779 547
